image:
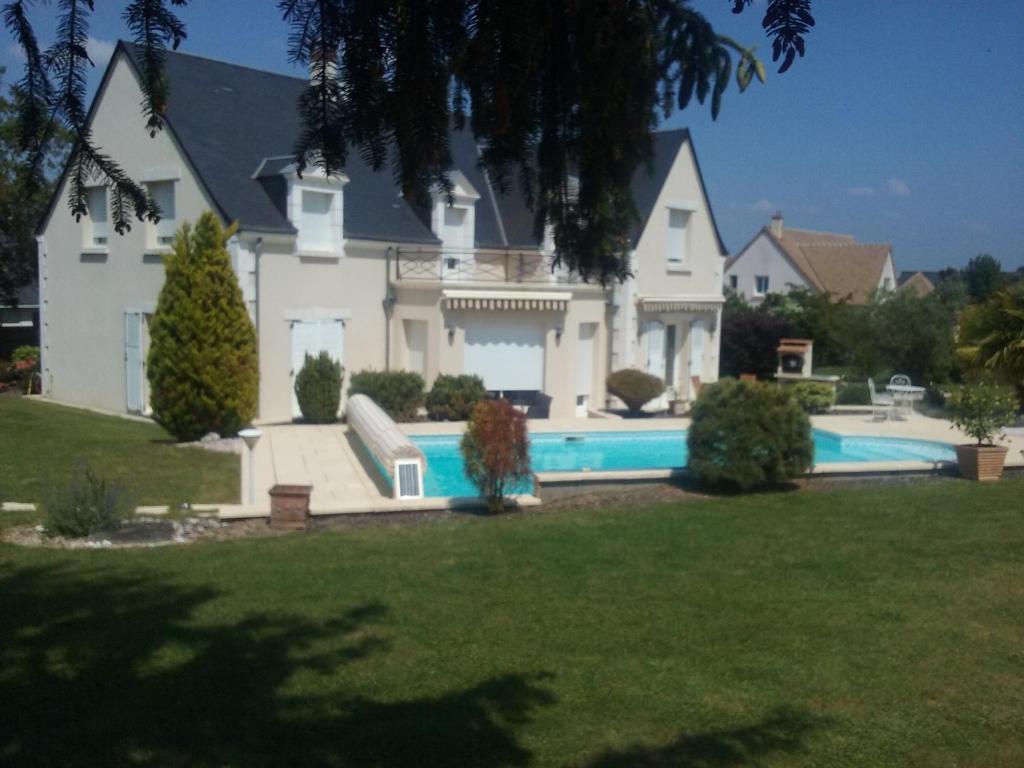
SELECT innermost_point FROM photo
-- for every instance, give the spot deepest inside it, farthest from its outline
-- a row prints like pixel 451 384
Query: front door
pixel 585 368
pixel 313 337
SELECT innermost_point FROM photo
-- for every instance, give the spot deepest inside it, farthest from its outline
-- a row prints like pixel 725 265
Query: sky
pixel 904 122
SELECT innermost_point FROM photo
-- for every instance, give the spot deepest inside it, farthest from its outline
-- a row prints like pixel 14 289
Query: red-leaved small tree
pixel 496 449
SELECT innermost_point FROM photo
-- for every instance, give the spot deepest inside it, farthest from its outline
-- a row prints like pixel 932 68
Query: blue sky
pixel 904 123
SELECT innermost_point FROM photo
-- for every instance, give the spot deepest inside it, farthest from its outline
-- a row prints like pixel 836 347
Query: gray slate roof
pixel 232 121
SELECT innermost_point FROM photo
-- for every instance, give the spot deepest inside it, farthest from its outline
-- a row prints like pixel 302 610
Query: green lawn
pixel 44 445
pixel 869 627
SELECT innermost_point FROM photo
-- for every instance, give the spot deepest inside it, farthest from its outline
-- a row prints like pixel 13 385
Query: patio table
pixel 907 394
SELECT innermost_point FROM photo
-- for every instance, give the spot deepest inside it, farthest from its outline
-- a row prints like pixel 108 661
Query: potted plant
pixel 982 410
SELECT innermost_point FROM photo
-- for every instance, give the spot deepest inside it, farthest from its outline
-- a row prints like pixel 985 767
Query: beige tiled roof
pixel 836 264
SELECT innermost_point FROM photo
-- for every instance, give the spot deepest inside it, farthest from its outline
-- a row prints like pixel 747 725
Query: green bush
pixel 318 388
pixel 854 393
pixel 814 396
pixel 88 505
pixel 452 398
pixel 983 410
pixel 398 393
pixel 748 434
pixel 203 370
pixel 25 352
pixel 634 388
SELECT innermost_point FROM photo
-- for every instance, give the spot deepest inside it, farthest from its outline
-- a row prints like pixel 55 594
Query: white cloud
pixel 862 191
pixel 898 187
pixel 762 206
pixel 99 51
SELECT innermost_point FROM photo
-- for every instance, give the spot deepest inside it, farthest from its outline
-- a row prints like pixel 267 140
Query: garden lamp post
pixel 251 437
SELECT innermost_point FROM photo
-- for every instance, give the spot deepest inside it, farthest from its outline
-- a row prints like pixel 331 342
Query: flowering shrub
pixel 496 450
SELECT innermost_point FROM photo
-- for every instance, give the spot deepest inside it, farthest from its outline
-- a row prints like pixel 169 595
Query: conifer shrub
pixel 814 396
pixel 318 388
pixel 634 388
pixel 748 434
pixel 398 393
pixel 452 398
pixel 496 450
pixel 89 504
pixel 202 366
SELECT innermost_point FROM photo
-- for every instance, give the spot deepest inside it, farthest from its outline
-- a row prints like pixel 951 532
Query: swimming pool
pixel 611 451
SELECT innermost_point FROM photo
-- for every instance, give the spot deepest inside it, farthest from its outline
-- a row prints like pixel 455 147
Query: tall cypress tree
pixel 203 370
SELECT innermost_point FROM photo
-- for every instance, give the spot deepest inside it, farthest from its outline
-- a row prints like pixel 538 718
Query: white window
pixel 760 285
pixel 161 235
pixel 97 231
pixel 678 227
pixel 697 348
pixel 315 224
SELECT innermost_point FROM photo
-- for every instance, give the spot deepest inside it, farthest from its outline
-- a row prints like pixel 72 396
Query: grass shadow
pixel 103 669
pixel 781 731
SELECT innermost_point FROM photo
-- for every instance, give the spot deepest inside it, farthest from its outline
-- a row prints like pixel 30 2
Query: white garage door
pixel 507 355
pixel 313 337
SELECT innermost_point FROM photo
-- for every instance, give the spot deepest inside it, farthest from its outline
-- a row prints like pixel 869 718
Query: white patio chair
pixel 880 402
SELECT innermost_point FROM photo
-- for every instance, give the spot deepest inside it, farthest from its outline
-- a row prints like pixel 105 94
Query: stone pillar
pixel 289 507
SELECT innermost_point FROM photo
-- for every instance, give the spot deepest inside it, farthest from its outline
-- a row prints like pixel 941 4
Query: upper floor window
pixel 734 281
pixel 161 234
pixel 96 229
pixel 315 225
pixel 455 223
pixel 887 284
pixel 678 236
pixel 760 285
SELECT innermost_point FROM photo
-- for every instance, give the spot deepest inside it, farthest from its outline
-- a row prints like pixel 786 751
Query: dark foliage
pixel 854 393
pixel 983 277
pixel 750 339
pixel 398 393
pixel 547 87
pixel 318 389
pixel 634 388
pixel 748 434
pixel 452 398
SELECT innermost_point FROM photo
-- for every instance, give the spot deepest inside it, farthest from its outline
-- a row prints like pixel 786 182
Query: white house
pixel 779 258
pixel 348 266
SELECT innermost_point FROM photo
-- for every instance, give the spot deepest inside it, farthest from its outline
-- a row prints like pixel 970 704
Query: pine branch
pixel 154 27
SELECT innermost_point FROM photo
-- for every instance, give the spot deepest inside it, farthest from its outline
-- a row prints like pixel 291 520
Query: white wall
pixel 762 257
pixel 84 296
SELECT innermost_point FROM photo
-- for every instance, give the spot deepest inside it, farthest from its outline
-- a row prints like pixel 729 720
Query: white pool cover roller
pixel 402 461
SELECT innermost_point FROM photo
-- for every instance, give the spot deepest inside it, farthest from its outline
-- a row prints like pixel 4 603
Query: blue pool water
pixel 566 452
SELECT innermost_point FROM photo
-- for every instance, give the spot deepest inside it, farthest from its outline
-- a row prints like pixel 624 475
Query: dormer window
pixel 315 208
pixel 161 234
pixel 453 220
pixel 96 228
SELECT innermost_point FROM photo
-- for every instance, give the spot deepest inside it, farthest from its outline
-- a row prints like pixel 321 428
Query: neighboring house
pixel 347 265
pixel 919 283
pixel 779 258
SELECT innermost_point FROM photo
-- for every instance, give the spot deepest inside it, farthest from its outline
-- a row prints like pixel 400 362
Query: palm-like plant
pixel 992 335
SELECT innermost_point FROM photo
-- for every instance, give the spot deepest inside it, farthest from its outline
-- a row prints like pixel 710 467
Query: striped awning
pixel 680 303
pixel 521 301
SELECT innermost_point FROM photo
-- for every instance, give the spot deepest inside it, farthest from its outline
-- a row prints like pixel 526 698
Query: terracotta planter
pixel 981 462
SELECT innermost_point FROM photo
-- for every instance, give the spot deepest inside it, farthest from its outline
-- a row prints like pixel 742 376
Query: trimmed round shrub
pixel 202 367
pixel 634 388
pixel 748 434
pixel 496 449
pixel 398 393
pixel 452 398
pixel 854 393
pixel 814 396
pixel 318 388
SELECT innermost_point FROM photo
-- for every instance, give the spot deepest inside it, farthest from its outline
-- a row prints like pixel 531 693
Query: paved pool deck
pixel 343 481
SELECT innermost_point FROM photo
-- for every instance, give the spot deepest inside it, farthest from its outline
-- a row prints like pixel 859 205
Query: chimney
pixel 775 227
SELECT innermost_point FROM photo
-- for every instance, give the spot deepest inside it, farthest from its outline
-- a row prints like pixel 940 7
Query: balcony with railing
pixel 449 266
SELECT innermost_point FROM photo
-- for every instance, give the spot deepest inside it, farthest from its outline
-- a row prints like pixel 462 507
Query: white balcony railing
pixel 477 266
